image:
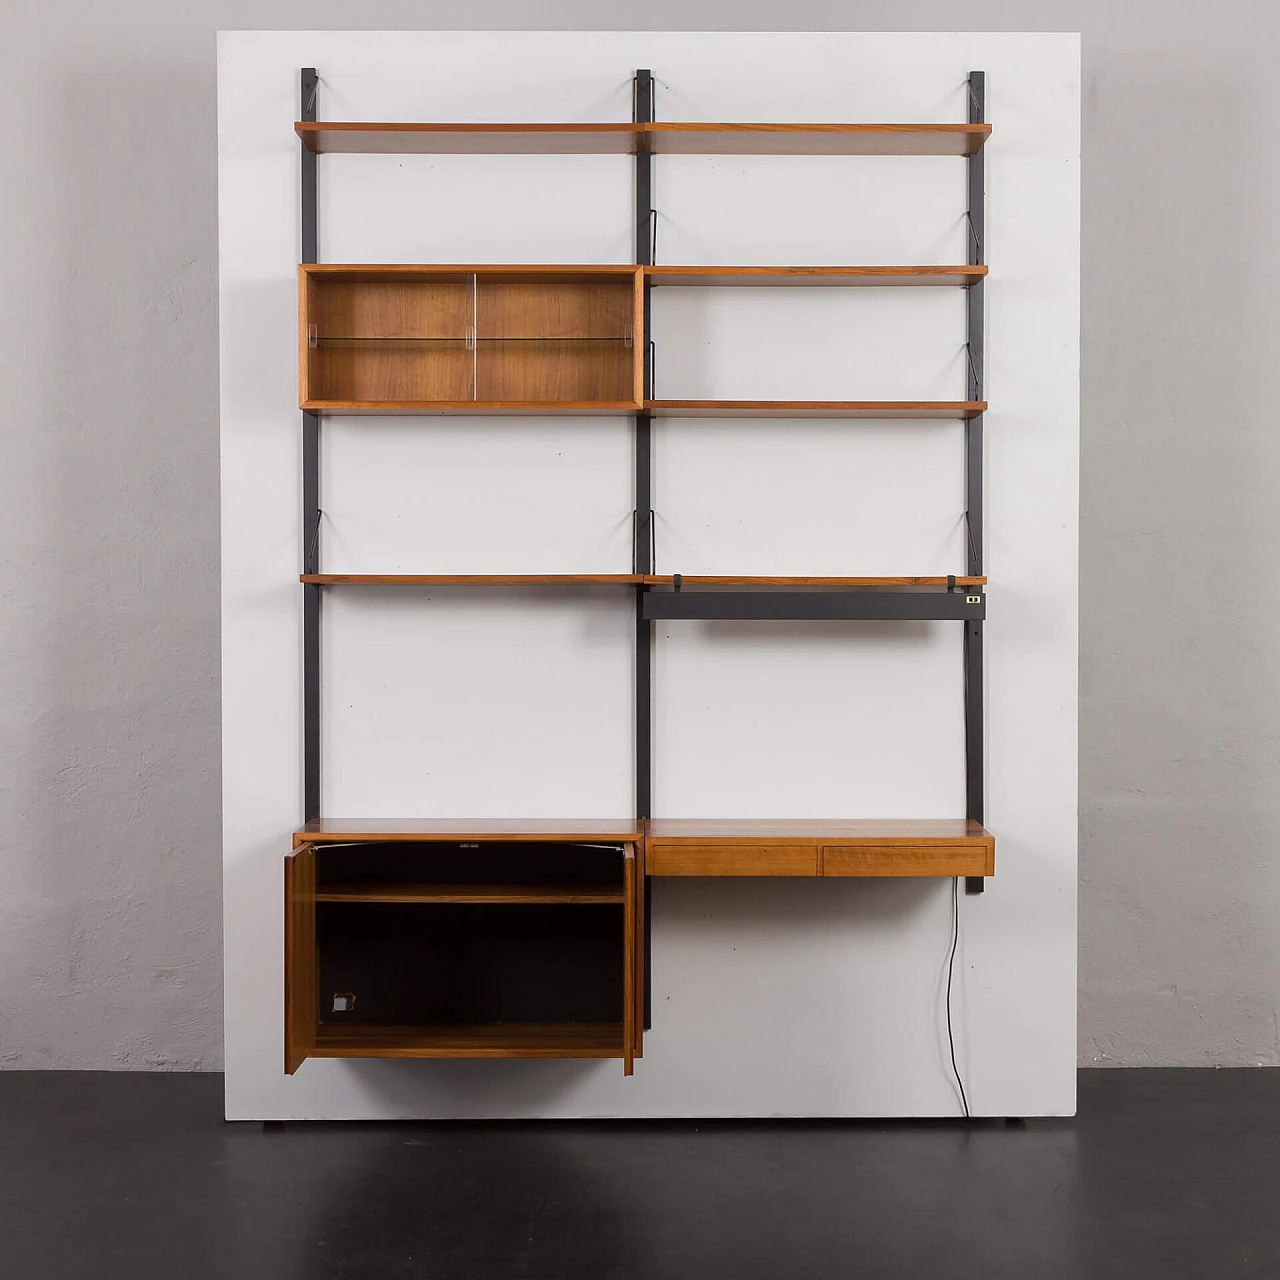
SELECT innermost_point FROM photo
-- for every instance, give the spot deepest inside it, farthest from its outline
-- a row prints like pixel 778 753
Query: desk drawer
pixel 731 860
pixel 908 860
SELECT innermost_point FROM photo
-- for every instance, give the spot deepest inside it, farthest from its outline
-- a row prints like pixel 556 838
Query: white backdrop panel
pixel 809 497
pixel 770 998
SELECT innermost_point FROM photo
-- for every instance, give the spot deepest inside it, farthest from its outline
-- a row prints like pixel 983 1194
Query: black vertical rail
pixel 973 659
pixel 310 499
pixel 643 551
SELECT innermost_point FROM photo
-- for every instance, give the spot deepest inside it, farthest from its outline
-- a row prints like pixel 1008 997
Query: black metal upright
pixel 973 660
pixel 644 534
pixel 643 549
pixel 310 498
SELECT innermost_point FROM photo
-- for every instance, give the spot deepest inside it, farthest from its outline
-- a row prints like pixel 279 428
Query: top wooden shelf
pixel 661 137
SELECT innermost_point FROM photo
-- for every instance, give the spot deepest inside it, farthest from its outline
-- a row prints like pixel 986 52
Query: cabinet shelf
pixel 532 894
pixel 658 138
pixel 492 1040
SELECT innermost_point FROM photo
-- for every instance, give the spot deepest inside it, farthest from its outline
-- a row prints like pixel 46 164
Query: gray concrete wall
pixel 109 880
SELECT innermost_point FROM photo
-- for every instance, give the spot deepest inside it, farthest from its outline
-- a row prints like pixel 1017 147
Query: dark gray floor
pixel 1165 1174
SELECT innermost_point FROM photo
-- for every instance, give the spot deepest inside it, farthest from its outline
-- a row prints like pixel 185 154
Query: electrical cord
pixel 951 968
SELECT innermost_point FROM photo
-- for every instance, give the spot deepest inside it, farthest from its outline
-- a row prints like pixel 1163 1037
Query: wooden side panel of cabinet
pixel 301 998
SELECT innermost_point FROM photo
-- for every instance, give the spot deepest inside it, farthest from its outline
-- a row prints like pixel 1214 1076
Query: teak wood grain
pixel 600 359
pixel 687 137
pixel 370 830
pixel 830 277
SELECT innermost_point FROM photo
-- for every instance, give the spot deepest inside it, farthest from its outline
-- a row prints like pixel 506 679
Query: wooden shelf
pixel 704 580
pixel 819 847
pixel 544 830
pixel 494 1040
pixel 397 273
pixel 814 408
pixel 661 137
pixel 869 409
pixel 692 138
pixel 473 579
pixel 467 139
pixel 472 893
pixel 820 277
pixel 622 579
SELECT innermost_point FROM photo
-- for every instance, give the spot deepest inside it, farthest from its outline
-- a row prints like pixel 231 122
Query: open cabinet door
pixel 301 1001
pixel 630 984
pixel 638 950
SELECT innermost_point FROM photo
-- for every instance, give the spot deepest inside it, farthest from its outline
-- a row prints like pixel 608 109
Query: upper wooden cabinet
pixel 421 339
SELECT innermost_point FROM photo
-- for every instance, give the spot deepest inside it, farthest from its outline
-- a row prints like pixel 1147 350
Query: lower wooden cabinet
pixel 466 949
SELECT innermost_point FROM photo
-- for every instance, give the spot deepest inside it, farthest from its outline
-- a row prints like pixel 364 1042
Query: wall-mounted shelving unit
pixel 475 938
